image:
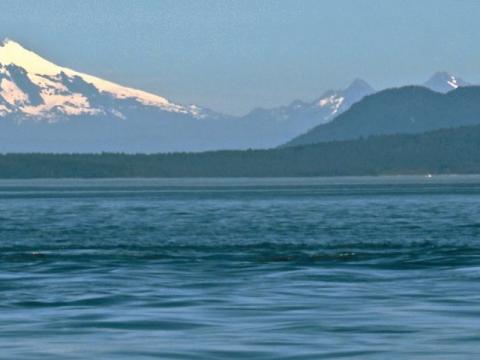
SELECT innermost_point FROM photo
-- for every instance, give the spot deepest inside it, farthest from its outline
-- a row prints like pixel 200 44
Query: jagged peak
pixel 441 75
pixel 359 84
pixel 443 81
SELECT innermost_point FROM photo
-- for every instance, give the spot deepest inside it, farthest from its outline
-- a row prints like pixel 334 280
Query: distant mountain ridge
pixel 410 109
pixel 307 114
pixel 49 108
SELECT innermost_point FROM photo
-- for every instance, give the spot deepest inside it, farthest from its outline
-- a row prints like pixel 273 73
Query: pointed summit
pixel 359 84
pixel 358 87
pixel 4 41
pixel 341 100
pixel 12 53
pixel 444 82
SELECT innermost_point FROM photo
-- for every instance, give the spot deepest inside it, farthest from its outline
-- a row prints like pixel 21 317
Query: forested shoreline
pixel 445 151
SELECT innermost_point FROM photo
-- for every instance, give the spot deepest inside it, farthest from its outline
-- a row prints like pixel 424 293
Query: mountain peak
pixel 7 41
pixel 442 75
pixel 359 83
pixel 339 101
pixel 443 82
pixel 40 71
pixel 358 86
pixel 12 53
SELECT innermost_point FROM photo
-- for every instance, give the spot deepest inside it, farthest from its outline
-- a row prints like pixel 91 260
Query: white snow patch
pixel 453 82
pixel 70 104
pixel 48 86
pixel 333 101
pixel 4 110
pixel 11 93
pixel 118 114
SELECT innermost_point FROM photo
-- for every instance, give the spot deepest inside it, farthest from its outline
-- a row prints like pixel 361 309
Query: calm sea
pixel 360 268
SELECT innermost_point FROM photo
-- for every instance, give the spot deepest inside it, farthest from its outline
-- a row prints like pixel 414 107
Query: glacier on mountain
pixel 60 90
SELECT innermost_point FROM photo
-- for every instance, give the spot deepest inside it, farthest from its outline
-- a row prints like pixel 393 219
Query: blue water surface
pixel 350 268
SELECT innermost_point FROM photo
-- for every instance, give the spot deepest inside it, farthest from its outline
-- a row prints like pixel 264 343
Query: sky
pixel 233 56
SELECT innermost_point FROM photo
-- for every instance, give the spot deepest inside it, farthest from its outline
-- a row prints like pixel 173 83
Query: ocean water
pixel 350 268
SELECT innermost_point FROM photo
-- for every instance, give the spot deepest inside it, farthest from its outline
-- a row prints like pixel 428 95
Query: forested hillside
pixel 410 109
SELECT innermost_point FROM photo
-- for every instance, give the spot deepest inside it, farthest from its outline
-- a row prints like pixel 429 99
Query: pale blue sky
pixel 235 55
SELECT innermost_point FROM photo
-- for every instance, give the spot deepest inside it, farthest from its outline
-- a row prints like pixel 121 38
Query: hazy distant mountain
pixel 444 82
pixel 300 116
pixel 410 109
pixel 48 108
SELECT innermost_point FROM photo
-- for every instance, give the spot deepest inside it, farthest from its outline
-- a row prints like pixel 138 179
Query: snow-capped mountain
pixel 33 87
pixel 49 108
pixel 444 82
pixel 341 100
